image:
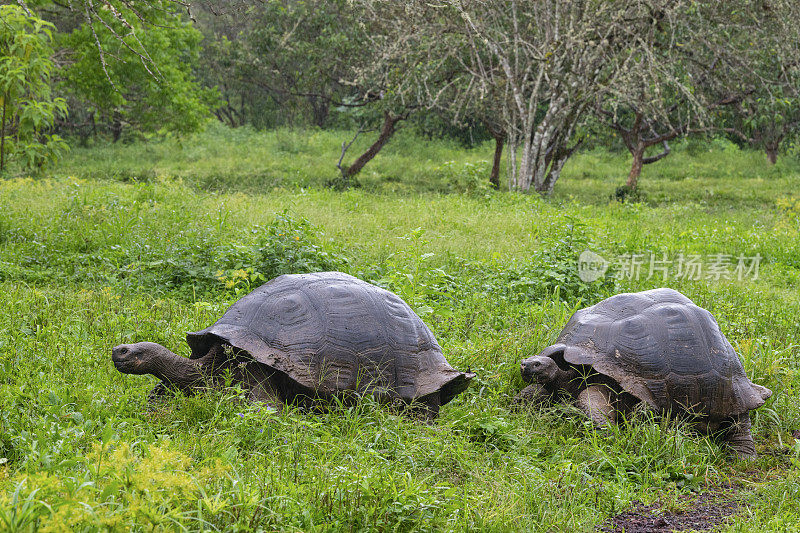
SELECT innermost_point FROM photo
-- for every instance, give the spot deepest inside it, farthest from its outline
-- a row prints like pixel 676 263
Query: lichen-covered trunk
pixel 522 179
pixel 543 144
pixel 552 176
pixel 545 151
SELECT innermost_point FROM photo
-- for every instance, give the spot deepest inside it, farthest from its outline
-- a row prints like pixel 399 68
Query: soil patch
pixel 701 513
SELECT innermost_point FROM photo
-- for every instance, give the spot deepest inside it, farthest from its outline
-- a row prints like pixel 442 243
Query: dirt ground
pixel 701 513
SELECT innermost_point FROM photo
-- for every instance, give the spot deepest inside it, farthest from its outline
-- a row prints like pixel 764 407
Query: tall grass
pixel 147 242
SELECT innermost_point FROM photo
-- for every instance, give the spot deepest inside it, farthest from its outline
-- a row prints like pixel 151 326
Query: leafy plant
pixel 626 193
pixel 465 177
pixel 28 108
pixel 789 208
pixel 489 428
pixel 288 245
pixel 407 274
pixel 292 245
pixel 552 271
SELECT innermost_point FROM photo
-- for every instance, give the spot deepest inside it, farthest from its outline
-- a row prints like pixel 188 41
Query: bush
pixel 464 177
pixel 626 193
pixel 287 246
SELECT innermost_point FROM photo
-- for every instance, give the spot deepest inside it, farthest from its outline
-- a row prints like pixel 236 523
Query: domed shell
pixel 662 348
pixel 332 332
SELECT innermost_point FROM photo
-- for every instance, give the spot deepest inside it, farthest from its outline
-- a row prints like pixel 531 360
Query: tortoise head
pixel 539 369
pixel 138 358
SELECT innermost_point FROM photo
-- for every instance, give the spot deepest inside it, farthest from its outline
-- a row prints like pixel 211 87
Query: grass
pixel 149 241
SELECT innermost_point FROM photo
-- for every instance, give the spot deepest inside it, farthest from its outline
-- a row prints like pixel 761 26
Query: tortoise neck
pixel 567 381
pixel 176 371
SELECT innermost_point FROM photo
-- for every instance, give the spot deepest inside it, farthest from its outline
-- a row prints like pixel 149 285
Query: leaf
pixel 108 432
pixel 110 489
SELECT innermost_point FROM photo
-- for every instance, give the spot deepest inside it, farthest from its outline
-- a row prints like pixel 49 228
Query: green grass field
pixel 148 241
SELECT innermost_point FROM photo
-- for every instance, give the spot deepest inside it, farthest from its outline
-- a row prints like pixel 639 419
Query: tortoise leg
pixel 740 439
pixel 430 407
pixel 597 402
pixel 263 393
pixel 426 408
pixel 258 383
pixel 533 394
pixel 159 393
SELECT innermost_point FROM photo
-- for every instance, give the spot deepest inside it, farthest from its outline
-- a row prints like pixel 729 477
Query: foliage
pixel 286 246
pixel 626 193
pixel 28 108
pixel 160 94
pixel 789 209
pixel 75 281
pixel 553 270
pixel 280 63
pixel 115 485
pixel 768 114
pixel 469 178
pixel 531 71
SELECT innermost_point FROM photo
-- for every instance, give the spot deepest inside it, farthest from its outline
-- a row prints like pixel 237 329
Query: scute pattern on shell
pixel 331 332
pixel 663 349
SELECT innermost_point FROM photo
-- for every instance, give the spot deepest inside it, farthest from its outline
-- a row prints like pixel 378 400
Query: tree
pixel 533 68
pixel 769 113
pixel 293 56
pixel 28 108
pixel 104 74
pixel 702 64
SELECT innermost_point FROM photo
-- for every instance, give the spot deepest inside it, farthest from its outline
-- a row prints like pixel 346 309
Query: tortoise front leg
pixel 740 439
pixel 258 380
pixel 430 407
pixel 598 404
pixel 426 408
pixel 533 394
pixel 158 393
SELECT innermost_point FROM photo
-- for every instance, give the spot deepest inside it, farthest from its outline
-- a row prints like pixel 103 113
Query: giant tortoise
pixel 309 337
pixel 656 348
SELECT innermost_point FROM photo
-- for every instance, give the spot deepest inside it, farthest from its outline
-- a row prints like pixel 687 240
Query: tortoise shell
pixel 331 332
pixel 663 349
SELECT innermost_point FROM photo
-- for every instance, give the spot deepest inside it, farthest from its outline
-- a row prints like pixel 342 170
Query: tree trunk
pixel 3 138
pixel 511 153
pixel 525 170
pixel 387 130
pixel 494 177
pixel 636 167
pixel 116 128
pixel 320 108
pixel 772 152
pixel 499 137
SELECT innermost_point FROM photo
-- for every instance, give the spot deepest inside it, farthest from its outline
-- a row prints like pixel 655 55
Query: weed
pixel 135 249
pixel 464 177
pixel 624 193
